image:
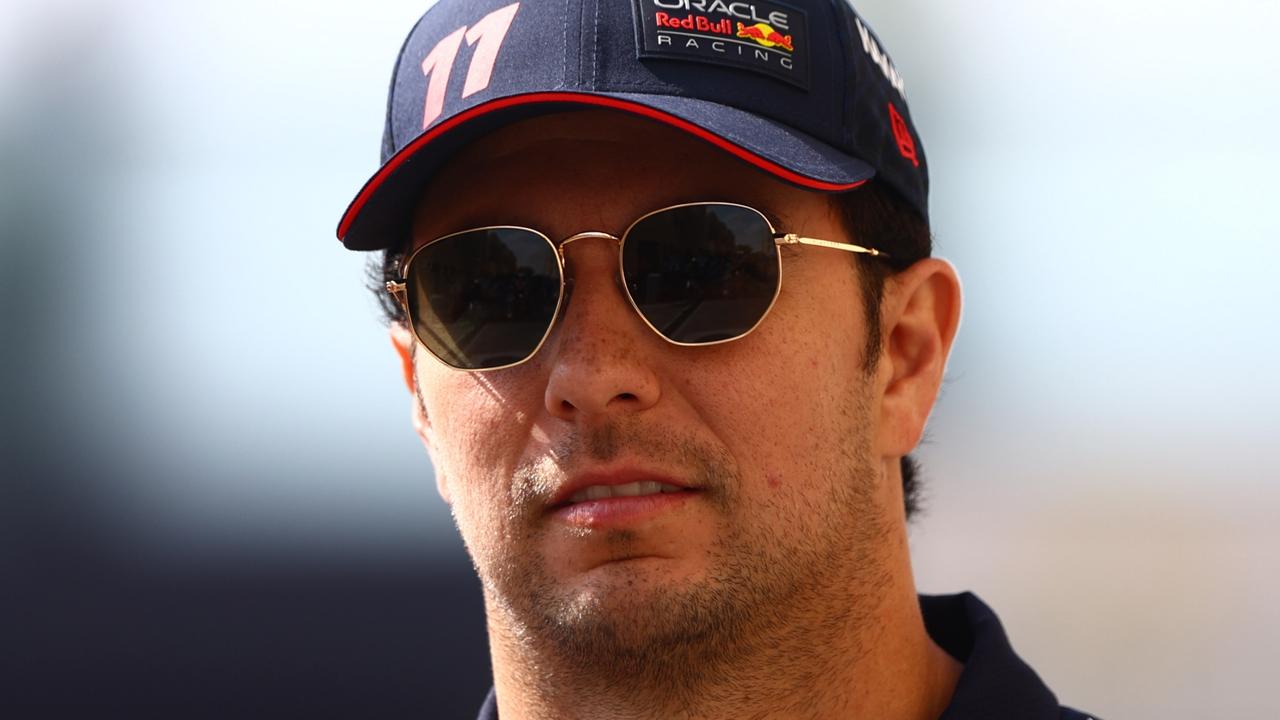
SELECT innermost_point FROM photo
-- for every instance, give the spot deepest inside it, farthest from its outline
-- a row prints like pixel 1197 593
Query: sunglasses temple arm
pixel 793 239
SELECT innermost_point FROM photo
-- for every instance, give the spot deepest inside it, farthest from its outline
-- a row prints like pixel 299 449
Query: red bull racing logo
pixel 764 34
pixel 761 36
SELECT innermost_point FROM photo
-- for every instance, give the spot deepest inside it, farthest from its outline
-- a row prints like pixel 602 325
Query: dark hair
pixel 874 215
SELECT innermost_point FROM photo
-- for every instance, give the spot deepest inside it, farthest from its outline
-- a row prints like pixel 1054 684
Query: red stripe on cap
pixel 579 99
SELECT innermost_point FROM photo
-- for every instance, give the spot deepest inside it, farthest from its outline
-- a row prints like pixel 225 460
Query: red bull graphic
pixel 764 34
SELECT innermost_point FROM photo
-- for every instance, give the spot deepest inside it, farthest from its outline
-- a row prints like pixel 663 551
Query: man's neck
pixel 879 664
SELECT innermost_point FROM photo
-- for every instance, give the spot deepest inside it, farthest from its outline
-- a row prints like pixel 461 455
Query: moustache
pixel 708 468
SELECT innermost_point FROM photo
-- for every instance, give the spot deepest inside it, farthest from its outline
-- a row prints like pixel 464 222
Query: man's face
pixel 775 435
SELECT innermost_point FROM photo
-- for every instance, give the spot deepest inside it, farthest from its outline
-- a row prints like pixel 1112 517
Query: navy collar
pixel 995 682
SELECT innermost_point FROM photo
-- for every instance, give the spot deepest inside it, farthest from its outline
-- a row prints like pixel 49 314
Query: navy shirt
pixel 995 682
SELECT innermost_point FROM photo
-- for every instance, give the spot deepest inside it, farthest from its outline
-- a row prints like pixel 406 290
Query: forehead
pixel 602 168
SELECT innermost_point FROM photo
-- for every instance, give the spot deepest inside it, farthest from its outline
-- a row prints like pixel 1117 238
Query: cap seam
pixel 565 44
pixel 595 46
pixel 582 31
pixel 647 86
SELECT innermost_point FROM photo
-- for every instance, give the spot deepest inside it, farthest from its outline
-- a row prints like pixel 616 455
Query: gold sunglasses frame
pixel 399 290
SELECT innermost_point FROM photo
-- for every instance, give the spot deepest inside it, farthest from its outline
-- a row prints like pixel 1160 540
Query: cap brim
pixel 378 217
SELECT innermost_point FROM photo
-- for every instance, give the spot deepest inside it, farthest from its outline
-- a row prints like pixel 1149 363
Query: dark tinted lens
pixel 702 273
pixel 485 298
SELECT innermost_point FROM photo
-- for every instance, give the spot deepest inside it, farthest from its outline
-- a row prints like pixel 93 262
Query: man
pixel 664 302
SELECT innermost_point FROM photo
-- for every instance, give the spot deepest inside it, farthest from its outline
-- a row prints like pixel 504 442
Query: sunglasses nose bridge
pixel 585 236
pixel 590 235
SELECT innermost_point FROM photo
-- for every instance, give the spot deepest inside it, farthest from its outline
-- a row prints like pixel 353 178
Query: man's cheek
pixel 480 511
pixel 471 435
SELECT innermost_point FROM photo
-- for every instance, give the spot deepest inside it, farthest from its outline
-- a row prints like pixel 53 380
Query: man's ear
pixel 920 314
pixel 403 341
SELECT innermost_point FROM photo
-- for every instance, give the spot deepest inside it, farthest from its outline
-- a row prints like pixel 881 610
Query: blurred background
pixel 213 504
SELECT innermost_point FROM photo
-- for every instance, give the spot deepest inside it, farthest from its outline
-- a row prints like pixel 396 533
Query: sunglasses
pixel 697 274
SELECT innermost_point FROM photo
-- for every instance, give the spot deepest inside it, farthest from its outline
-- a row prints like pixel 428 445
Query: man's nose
pixel 601 353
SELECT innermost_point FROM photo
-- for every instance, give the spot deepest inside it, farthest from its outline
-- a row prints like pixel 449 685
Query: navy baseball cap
pixel 802 90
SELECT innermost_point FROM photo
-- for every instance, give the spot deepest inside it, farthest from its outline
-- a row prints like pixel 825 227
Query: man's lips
pixel 624 482
pixel 621 512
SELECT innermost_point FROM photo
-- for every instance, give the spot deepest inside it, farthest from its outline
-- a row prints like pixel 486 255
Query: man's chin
pixel 615 612
pixel 634 585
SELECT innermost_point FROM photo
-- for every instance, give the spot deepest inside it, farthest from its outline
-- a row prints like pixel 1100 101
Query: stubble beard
pixel 650 641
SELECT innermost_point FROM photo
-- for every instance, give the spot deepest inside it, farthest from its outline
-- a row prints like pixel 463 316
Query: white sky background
pixel 1101 467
